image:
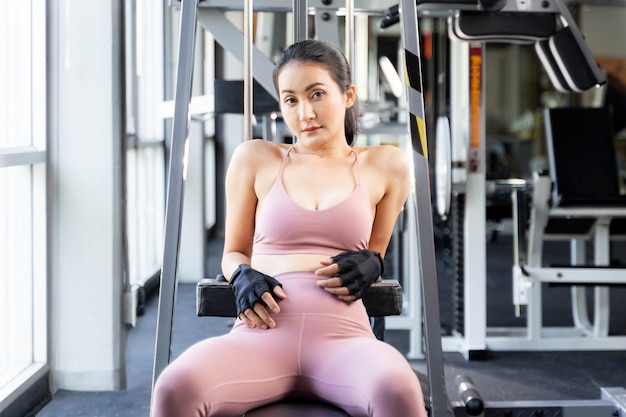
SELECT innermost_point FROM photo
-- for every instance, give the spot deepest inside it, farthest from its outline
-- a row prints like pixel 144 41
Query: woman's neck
pixel 334 150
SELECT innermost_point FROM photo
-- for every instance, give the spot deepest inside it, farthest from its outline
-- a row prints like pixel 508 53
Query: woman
pixel 305 227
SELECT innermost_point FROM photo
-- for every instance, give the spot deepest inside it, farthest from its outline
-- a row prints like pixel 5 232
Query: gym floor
pixel 501 376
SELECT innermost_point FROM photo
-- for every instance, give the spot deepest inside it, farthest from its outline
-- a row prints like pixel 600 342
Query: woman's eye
pixel 289 100
pixel 318 94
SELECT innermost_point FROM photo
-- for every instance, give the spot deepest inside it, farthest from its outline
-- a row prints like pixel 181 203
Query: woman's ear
pixel 350 95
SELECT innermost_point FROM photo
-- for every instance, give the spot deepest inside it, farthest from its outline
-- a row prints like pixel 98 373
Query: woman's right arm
pixel 241 202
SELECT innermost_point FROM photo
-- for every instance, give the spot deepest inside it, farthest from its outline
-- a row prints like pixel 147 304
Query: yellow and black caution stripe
pixel 417 123
pixel 413 77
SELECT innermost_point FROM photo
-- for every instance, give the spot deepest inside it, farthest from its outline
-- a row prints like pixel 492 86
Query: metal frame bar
pixel 248 76
pixel 421 202
pixel 300 14
pixel 175 186
pixel 361 6
pixel 231 38
pixel 575 275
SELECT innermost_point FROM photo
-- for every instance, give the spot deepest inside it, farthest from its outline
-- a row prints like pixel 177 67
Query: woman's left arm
pixel 387 182
pixel 393 169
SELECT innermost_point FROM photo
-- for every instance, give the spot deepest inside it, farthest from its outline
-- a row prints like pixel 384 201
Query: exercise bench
pixel 578 201
pixel 214 297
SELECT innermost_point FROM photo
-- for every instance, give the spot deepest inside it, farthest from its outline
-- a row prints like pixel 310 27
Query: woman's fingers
pixel 334 282
pixel 258 316
pixel 269 301
pixel 279 292
pixel 336 287
pixel 329 269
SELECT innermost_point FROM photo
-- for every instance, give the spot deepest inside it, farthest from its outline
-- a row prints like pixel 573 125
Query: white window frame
pixel 28 36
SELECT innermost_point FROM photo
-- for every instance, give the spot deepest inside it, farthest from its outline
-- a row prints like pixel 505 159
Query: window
pixel 22 194
pixel 145 156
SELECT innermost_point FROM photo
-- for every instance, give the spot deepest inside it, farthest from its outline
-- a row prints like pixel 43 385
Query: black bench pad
pixel 298 409
pixel 214 297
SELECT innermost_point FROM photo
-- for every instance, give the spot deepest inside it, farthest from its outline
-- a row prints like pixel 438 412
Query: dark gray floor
pixel 501 376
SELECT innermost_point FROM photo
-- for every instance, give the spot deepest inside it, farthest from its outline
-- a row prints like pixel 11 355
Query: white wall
pixel 86 335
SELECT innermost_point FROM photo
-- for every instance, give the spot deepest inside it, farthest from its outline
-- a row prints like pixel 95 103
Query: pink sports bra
pixel 283 227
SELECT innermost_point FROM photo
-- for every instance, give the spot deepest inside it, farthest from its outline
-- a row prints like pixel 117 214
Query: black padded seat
pixel 542 48
pixel 313 408
pixel 504 26
pixel 569 226
pixel 564 57
pixel 583 165
pixel 569 54
pixel 214 297
pixel 298 409
pixel 562 51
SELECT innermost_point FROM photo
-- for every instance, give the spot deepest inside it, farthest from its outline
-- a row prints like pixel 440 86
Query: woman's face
pixel 311 102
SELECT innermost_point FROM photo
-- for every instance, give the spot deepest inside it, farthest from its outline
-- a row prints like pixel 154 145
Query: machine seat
pixel 297 408
pixel 214 297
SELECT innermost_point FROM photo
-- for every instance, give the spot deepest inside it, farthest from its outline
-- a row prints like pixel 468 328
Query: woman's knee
pixel 399 391
pixel 402 380
pixel 175 394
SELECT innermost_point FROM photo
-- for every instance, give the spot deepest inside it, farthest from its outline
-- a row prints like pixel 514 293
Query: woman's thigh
pixel 363 375
pixel 230 374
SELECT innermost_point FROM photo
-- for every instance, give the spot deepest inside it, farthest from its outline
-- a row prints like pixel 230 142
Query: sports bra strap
pixel 358 170
pixel 282 165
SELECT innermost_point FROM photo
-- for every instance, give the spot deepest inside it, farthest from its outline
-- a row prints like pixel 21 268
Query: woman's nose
pixel 306 111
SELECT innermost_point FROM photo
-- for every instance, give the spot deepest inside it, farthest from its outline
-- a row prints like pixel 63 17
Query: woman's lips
pixel 310 130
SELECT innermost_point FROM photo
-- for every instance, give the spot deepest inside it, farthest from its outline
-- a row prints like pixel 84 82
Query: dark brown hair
pixel 331 57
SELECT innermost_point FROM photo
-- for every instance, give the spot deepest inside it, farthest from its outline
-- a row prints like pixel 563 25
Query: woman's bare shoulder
pixel 381 150
pixel 258 151
pixel 255 146
pixel 387 158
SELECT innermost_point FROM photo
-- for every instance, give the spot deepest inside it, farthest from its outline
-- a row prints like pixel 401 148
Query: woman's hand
pixel 256 294
pixel 334 284
pixel 351 273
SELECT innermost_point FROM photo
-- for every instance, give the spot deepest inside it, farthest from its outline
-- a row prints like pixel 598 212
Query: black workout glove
pixel 248 284
pixel 359 269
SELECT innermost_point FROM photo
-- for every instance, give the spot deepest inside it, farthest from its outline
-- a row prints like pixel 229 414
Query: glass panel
pixel 15 79
pixel 145 191
pixel 22 193
pixel 16 309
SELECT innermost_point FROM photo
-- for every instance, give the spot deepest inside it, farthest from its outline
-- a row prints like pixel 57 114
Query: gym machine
pixel 571 68
pixel 418 213
pixel 460 159
pixel 575 206
pixel 210 15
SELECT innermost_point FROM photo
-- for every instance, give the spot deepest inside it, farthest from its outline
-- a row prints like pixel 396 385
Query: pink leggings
pixel 321 348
